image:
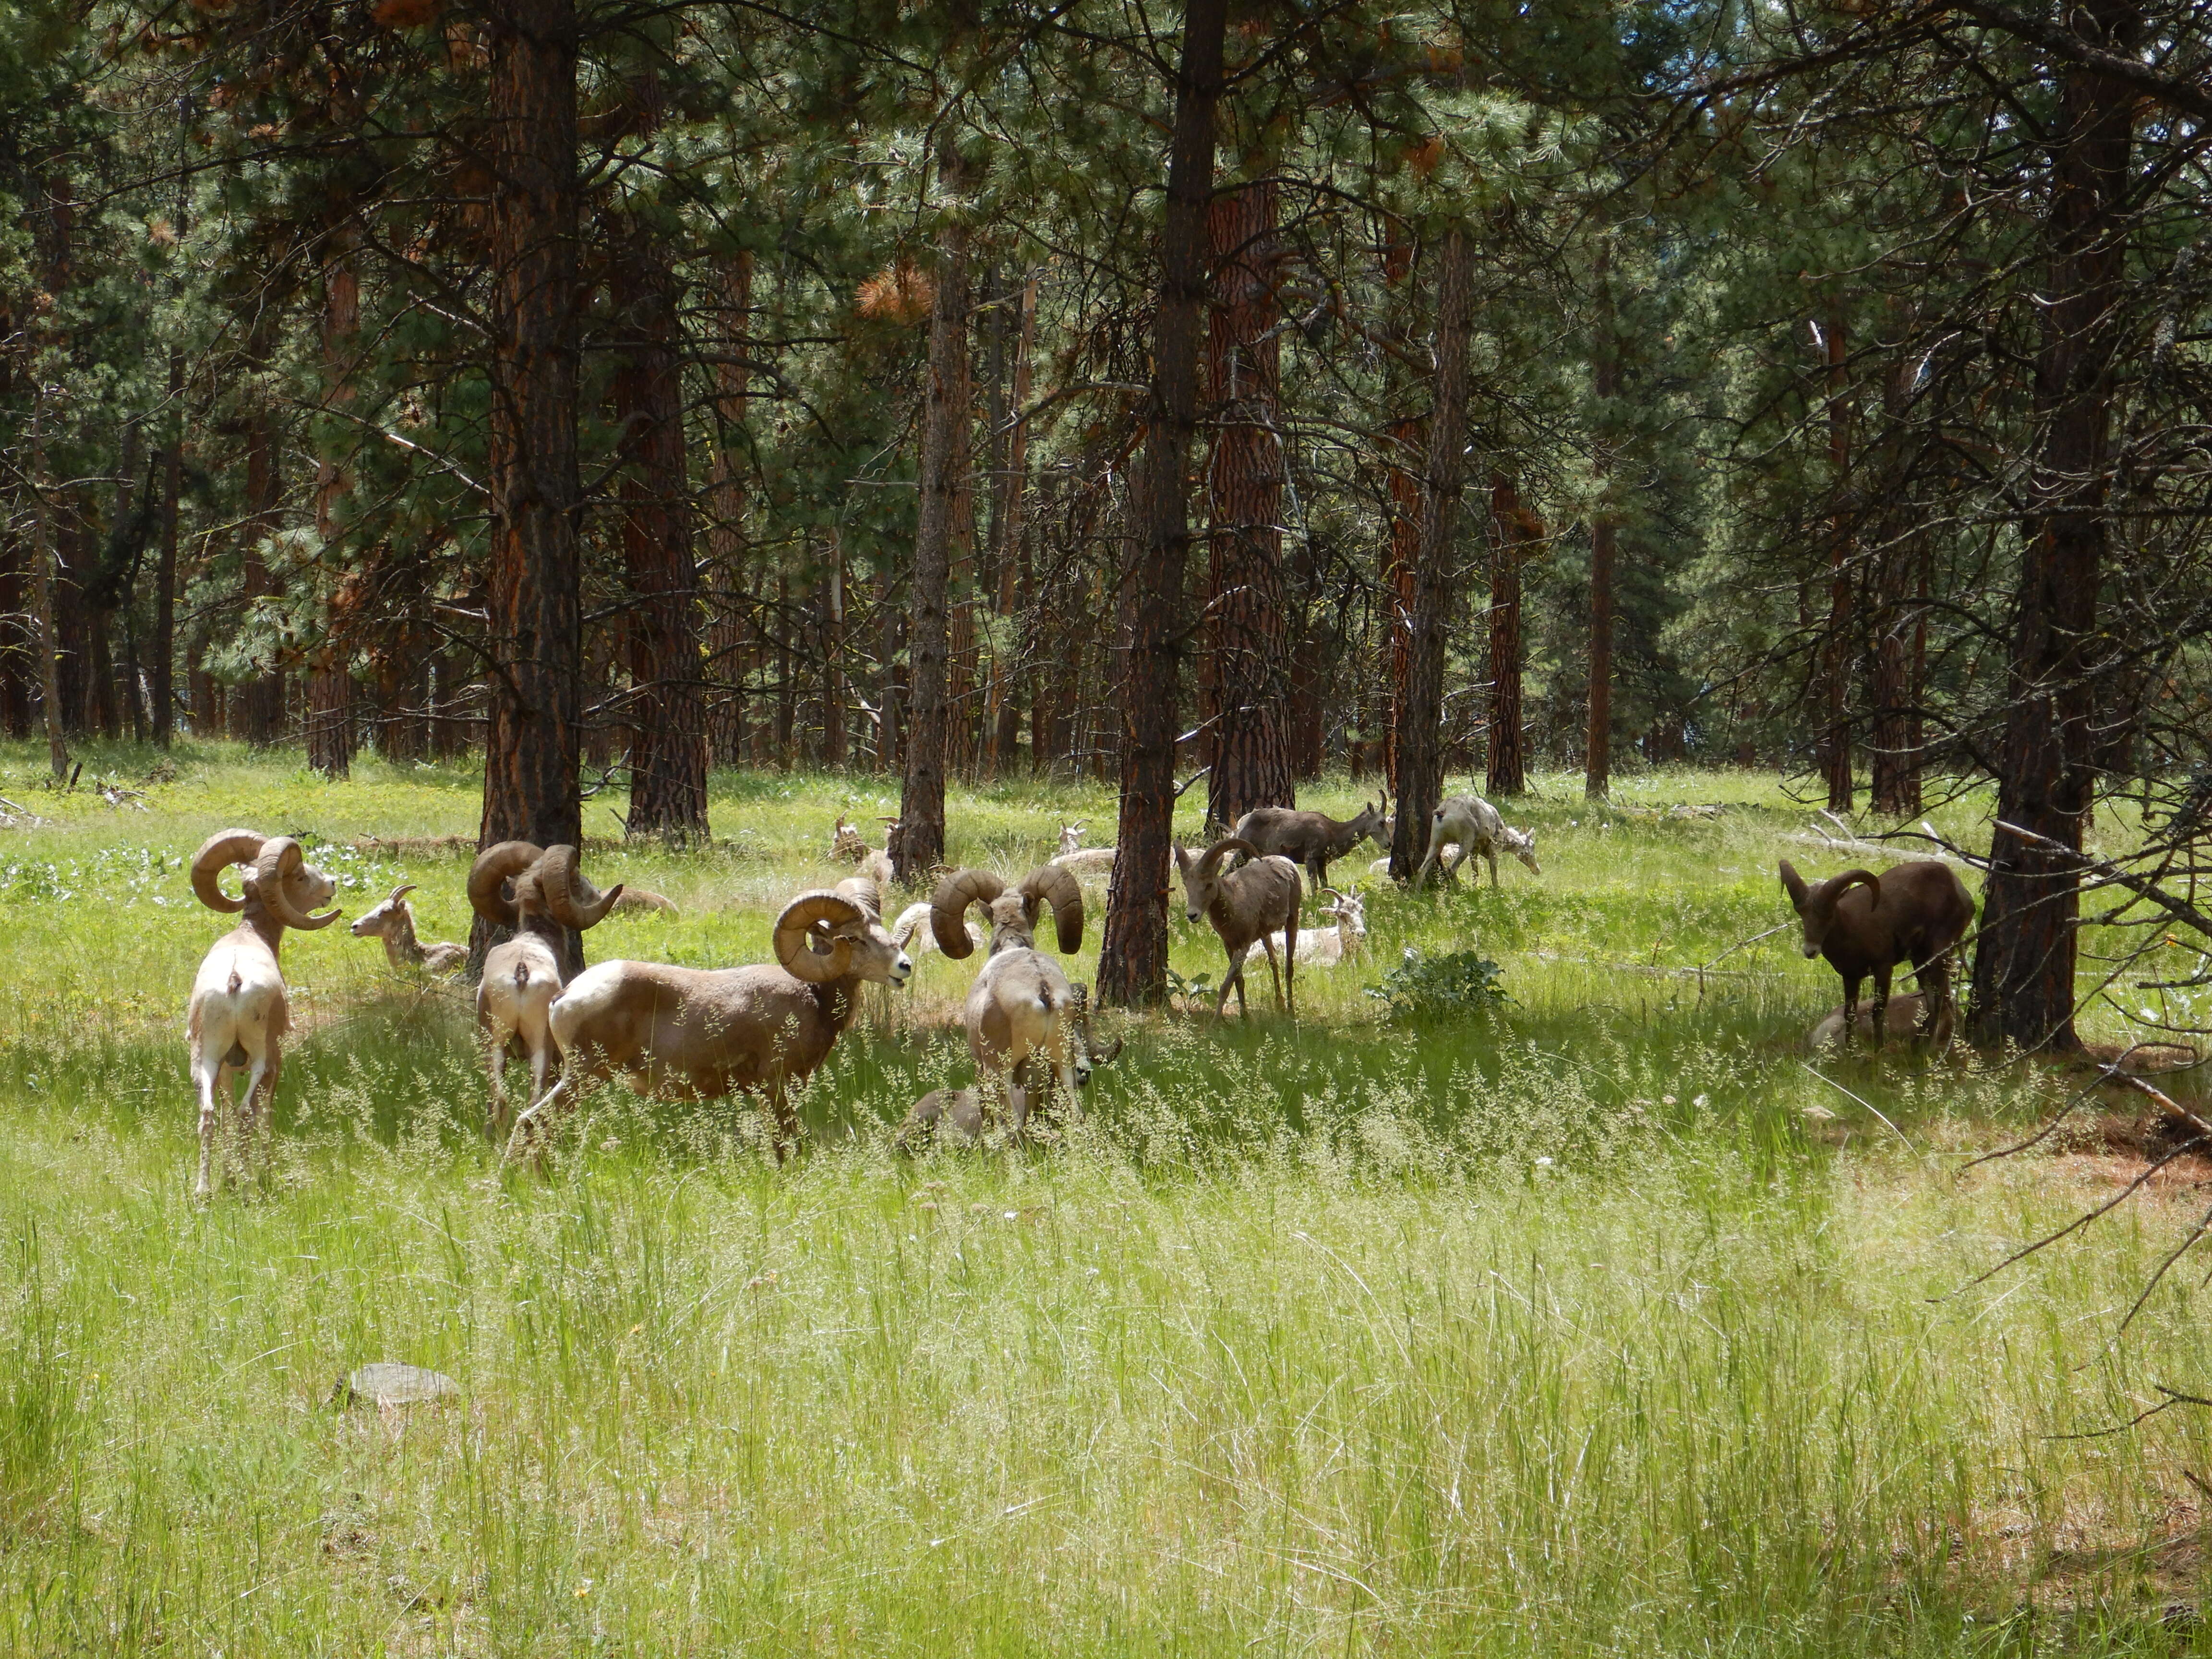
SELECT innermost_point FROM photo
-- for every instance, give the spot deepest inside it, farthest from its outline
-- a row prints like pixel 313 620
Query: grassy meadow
pixel 1603 1322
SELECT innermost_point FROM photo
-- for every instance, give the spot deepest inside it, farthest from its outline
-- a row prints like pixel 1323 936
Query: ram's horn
pixel 1839 885
pixel 217 852
pixel 572 901
pixel 280 860
pixel 400 892
pixel 1054 885
pixel 1221 849
pixel 864 892
pixel 488 877
pixel 804 914
pixel 948 908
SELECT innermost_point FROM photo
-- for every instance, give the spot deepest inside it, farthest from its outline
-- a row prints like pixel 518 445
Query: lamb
pixel 1918 912
pixel 1313 839
pixel 1325 947
pixel 1477 827
pixel 238 1016
pixel 1021 1006
pixel 702 1034
pixel 533 891
pixel 963 1112
pixel 1252 901
pixel 393 921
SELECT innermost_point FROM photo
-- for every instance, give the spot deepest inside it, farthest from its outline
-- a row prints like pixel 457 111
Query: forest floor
pixel 1607 1321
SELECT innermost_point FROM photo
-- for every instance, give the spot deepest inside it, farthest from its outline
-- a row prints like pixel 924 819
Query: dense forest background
pixel 1240 391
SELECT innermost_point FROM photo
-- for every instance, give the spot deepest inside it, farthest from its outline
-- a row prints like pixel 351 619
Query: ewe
pixel 238 1016
pixel 701 1034
pixel 1313 839
pixel 535 892
pixel 393 921
pixel 1325 947
pixel 1021 1006
pixel 962 1112
pixel 1865 924
pixel 1474 825
pixel 1075 856
pixel 1256 900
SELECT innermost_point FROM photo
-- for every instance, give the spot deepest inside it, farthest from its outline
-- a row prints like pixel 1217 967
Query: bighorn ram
pixel 1249 903
pixel 536 892
pixel 1021 1006
pixel 963 1112
pixel 393 921
pixel 238 1016
pixel 1325 947
pixel 701 1033
pixel 1475 826
pixel 1865 925
pixel 1313 839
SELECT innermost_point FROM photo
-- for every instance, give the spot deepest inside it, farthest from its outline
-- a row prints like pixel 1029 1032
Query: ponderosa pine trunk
pixel 918 842
pixel 1514 530
pixel 1419 779
pixel 535 638
pixel 42 592
pixel 1154 612
pixel 1605 534
pixel 1836 646
pixel 1402 558
pixel 329 676
pixel 1246 711
pixel 667 711
pixel 163 671
pixel 2023 979
pixel 728 650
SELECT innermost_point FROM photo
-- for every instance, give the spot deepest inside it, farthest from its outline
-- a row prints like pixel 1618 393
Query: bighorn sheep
pixel 1252 901
pixel 1075 856
pixel 703 1033
pixel 849 846
pixel 1313 839
pixel 963 1111
pixel 1325 947
pixel 1021 1004
pixel 1475 826
pixel 1908 1007
pixel 534 891
pixel 393 921
pixel 917 940
pixel 636 899
pixel 1916 913
pixel 238 1015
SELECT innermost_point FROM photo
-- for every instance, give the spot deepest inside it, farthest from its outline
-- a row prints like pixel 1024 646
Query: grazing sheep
pixel 1021 1004
pixel 1312 839
pixel 1475 826
pixel 238 1015
pixel 1325 947
pixel 965 1114
pixel 1253 902
pixel 704 1033
pixel 1866 925
pixel 393 921
pixel 535 892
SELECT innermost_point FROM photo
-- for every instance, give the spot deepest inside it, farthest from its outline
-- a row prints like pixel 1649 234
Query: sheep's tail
pixel 234 982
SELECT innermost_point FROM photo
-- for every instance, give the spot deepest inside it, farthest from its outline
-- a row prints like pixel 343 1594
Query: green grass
pixel 1557 1330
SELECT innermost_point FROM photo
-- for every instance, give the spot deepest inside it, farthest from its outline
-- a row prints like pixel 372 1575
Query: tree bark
pixel 42 592
pixel 1401 559
pixel 1247 706
pixel 1605 530
pixel 667 713
pixel 1009 530
pixel 1514 528
pixel 330 675
pixel 164 666
pixel 1835 669
pixel 920 842
pixel 534 641
pixel 1419 778
pixel 1133 958
pixel 2023 980
pixel 727 646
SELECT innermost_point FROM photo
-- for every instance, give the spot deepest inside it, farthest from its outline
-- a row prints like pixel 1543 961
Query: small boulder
pixel 387 1383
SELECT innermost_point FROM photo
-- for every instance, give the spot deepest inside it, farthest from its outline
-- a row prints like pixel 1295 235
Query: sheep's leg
pixel 1490 857
pixel 1235 978
pixel 539 1057
pixel 1850 1006
pixel 1274 968
pixel 1880 1006
pixel 207 1072
pixel 494 1056
pixel 1934 979
pixel 525 1125
pixel 1291 971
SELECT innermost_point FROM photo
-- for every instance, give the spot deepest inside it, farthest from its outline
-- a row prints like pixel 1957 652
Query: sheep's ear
pixel 1794 884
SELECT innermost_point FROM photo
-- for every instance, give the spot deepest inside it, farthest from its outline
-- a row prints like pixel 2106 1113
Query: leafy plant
pixel 1422 986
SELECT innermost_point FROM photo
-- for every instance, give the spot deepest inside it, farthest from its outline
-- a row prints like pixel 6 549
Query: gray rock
pixel 388 1384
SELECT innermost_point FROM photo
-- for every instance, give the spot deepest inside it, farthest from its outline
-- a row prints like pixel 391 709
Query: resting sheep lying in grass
pixel 1472 825
pixel 1253 902
pixel 393 921
pixel 238 1015
pixel 705 1033
pixel 1021 1012
pixel 1866 925
pixel 1083 860
pixel 917 940
pixel 1325 947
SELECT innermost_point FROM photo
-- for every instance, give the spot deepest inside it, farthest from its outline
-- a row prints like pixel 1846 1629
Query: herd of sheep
pixel 710 1033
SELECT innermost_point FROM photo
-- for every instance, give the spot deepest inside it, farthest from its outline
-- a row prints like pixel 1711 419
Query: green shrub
pixel 1458 983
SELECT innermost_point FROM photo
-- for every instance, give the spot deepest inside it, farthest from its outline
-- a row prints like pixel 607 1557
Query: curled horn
pixel 281 859
pixel 1211 862
pixel 572 900
pixel 216 853
pixel 1839 885
pixel 809 910
pixel 400 892
pixel 1055 884
pixel 488 877
pixel 948 908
